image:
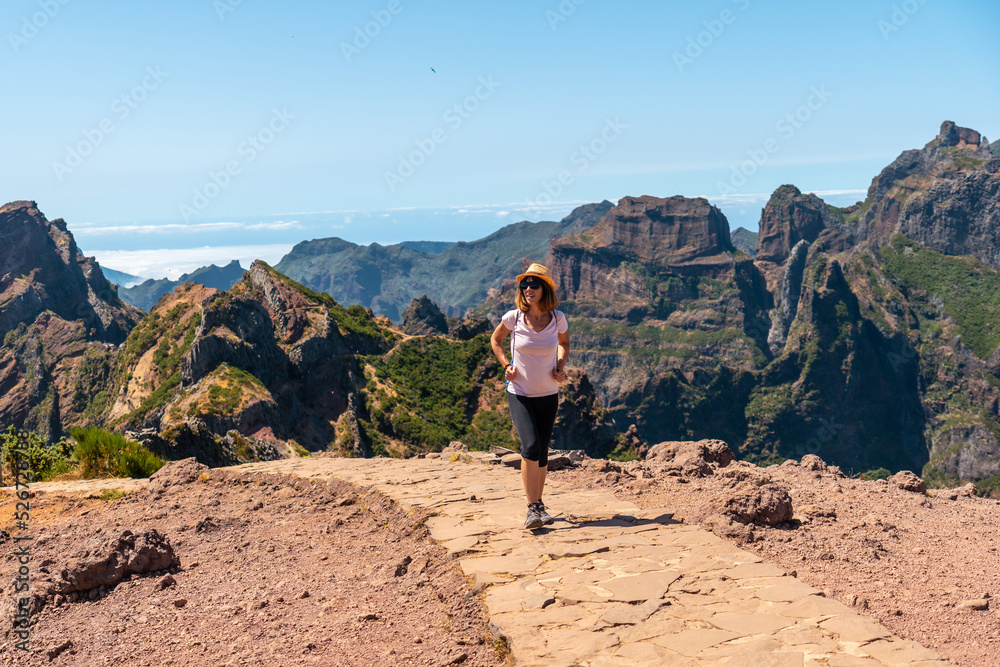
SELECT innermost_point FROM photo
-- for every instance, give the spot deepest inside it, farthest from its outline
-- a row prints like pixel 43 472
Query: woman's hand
pixel 509 373
pixel 559 374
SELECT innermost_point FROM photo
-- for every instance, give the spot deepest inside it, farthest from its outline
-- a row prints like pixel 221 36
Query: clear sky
pixel 248 123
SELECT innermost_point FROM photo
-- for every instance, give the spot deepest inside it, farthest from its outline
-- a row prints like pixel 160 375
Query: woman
pixel 539 348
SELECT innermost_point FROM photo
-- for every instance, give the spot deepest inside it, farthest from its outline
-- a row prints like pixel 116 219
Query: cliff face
pixel 41 269
pixel 676 231
pixel 944 196
pixel 60 319
pixel 640 236
pixel 791 217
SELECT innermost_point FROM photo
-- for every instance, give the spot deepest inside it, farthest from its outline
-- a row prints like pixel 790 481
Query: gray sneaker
pixel 545 517
pixel 533 520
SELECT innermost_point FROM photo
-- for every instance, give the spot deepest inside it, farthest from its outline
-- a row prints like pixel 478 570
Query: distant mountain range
pixel 145 294
pixel 120 278
pixel 455 276
pixel 869 335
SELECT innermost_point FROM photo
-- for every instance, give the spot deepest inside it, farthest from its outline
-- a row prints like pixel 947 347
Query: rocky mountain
pixel 677 235
pixel 745 240
pixel 456 278
pixel 791 217
pixel 145 294
pixel 61 321
pixel 264 369
pixel 869 335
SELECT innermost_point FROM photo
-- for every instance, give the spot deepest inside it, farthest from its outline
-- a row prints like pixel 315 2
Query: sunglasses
pixel 533 284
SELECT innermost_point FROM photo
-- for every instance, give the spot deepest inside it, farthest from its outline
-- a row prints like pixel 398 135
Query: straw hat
pixel 539 271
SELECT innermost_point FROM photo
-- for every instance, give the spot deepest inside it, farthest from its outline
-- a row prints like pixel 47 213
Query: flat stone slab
pixel 608 584
pixel 640 587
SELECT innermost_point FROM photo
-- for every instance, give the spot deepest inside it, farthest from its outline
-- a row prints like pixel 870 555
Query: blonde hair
pixel 548 302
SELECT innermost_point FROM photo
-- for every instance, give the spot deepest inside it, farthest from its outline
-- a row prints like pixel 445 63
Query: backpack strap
pixel 507 382
pixel 512 332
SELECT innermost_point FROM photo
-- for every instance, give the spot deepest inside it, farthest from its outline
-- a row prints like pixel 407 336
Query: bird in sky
pixel 434 70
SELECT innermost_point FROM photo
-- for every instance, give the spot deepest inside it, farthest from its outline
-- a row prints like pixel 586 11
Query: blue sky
pixel 213 129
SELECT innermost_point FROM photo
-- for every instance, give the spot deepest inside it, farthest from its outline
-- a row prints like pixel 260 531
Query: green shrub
pixel 989 487
pixel 623 455
pixel 435 381
pixel 111 495
pixel 43 461
pixel 105 454
pixel 877 473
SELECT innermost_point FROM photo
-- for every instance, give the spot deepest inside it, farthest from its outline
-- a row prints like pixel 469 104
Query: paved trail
pixel 608 584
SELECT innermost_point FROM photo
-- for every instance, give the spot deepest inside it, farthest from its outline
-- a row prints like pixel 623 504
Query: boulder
pixel 813 462
pixel 512 460
pixel 753 498
pixel 907 481
pixel 104 564
pixel 176 473
pixel 690 458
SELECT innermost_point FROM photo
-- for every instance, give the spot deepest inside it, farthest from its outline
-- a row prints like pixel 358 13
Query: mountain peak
pixel 42 269
pixel 790 217
pixel 944 196
pixel 675 229
pixel 962 137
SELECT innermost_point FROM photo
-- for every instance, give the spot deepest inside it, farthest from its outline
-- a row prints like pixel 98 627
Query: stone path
pixel 608 584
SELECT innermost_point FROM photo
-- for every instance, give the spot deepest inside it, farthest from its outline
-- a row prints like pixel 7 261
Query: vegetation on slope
pixel 427 392
pixel 964 288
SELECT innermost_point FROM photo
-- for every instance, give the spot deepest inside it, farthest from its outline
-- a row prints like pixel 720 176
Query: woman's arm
pixel 562 353
pixel 496 342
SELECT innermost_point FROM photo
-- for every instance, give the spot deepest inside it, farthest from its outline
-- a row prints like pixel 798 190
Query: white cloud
pixel 168 228
pixel 178 228
pixel 275 226
pixel 173 262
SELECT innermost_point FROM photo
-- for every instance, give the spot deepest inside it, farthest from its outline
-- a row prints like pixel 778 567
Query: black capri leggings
pixel 533 417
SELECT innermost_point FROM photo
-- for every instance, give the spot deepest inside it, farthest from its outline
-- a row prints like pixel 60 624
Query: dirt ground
pixel 923 564
pixel 273 571
pixel 281 571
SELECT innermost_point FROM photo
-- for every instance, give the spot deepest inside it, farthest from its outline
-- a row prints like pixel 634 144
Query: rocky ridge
pixel 61 322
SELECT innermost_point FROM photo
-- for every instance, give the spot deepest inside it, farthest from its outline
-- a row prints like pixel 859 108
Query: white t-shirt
pixel 534 354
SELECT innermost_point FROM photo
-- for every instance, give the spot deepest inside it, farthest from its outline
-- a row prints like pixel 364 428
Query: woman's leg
pixel 522 414
pixel 540 481
pixel 533 479
pixel 545 408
